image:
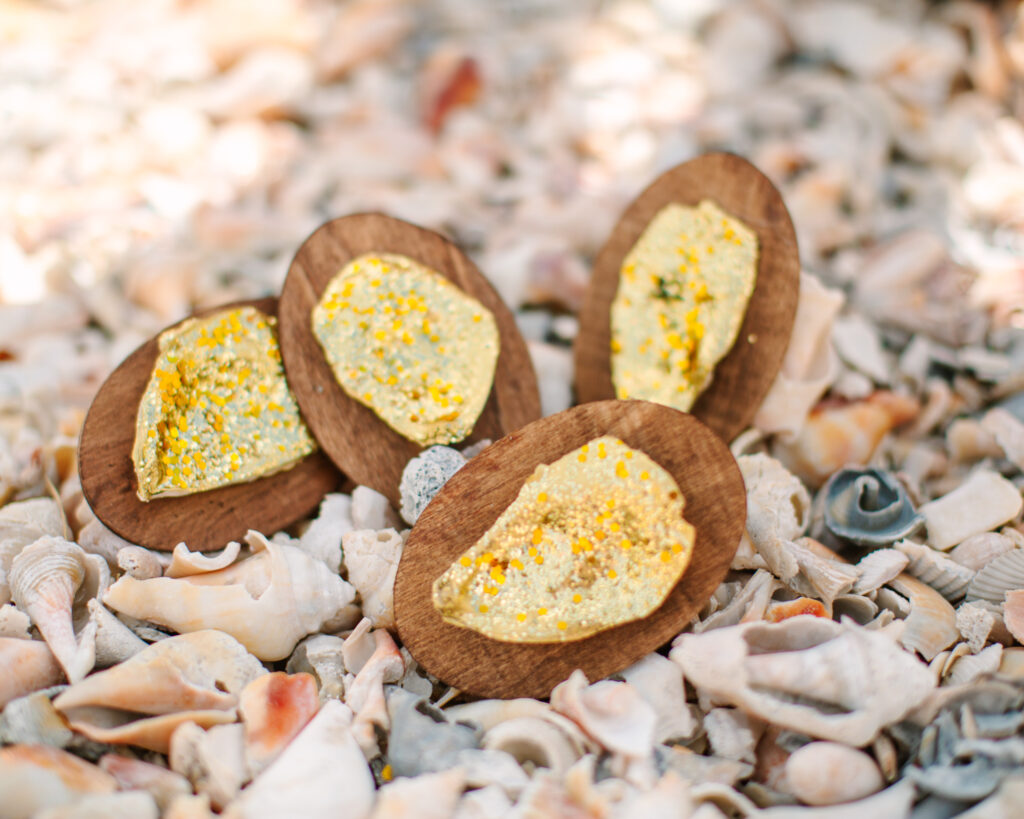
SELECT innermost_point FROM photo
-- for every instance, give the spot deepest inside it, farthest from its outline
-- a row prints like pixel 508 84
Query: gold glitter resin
pixel 408 344
pixel 593 540
pixel 683 292
pixel 217 409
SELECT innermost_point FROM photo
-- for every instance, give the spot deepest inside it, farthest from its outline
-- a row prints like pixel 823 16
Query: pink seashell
pixel 275 707
pixel 28 665
pixel 838 435
pixel 1013 613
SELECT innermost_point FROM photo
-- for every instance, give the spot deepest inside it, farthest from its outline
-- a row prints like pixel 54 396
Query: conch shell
pixel 51 581
pixel 855 681
pixel 22 523
pixel 268 601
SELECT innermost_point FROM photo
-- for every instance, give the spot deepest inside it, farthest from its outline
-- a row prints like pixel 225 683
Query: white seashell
pixel 863 678
pixel 810 365
pixel 23 523
pixel 1002 574
pixel 36 777
pixel 968 441
pixel 140 563
pixel 946 576
pixel 14 622
pixel 427 796
pixel 612 713
pixel 971 667
pixel 185 563
pixel 979 550
pixel 877 568
pixel 484 768
pixel 135 774
pixel 212 760
pixel 1013 613
pixel 748 604
pixel 819 575
pixel 424 476
pixel 981 503
pixel 322 773
pixel 858 608
pixel 534 743
pixel 364 693
pixel 322 539
pixel 371 510
pixel 51 581
pixel 129 805
pixel 732 734
pixel 28 665
pixel 827 773
pixel 371 560
pixel 974 622
pixel 1008 432
pixel 660 682
pixel 931 625
pixel 268 601
pixel 97 539
pixel 321 656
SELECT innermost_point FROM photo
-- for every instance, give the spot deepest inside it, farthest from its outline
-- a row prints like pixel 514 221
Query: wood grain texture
pixel 743 376
pixel 477 494
pixel 205 520
pixel 364 447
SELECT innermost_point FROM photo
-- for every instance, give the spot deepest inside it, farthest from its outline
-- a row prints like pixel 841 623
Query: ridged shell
pixel 1004 573
pixel 878 568
pixel 946 576
pixel 979 550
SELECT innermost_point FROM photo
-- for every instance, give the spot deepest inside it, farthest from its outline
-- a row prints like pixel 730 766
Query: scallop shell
pixel 931 625
pixel 810 675
pixel 28 665
pixel 946 576
pixel 868 507
pixel 978 550
pixel 23 523
pixel 268 601
pixel 51 581
pixel 322 772
pixel 810 365
pixel 878 568
pixel 1002 574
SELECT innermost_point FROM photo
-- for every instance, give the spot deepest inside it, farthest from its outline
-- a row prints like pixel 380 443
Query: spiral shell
pixel 868 507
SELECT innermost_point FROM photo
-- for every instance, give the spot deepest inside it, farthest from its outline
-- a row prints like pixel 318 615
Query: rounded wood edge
pixel 743 377
pixel 477 494
pixel 206 520
pixel 352 435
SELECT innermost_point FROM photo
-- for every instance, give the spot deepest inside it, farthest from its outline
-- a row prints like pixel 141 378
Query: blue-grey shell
pixel 869 507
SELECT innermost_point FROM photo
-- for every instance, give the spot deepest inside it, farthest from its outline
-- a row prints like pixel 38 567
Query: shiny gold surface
pixel 408 344
pixel 217 409
pixel 683 292
pixel 595 539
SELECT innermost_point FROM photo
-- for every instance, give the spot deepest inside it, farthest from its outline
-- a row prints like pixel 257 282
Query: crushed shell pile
pixel 864 656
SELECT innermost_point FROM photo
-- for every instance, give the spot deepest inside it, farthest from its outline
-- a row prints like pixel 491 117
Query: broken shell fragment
pixel 868 507
pixel 275 708
pixel 595 539
pixel 1001 575
pixel 28 665
pixel 932 567
pixel 390 327
pixel 613 713
pixel 931 625
pixel 981 503
pixel 217 409
pixel 268 601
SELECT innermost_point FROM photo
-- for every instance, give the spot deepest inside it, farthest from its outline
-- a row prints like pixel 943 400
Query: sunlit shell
pixel 409 344
pixel 593 540
pixel 683 291
pixel 217 409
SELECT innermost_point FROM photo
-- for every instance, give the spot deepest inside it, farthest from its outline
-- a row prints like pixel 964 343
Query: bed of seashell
pixel 863 658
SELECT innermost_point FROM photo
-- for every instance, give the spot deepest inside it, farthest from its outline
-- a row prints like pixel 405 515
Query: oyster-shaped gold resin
pixel 217 409
pixel 593 540
pixel 683 292
pixel 410 345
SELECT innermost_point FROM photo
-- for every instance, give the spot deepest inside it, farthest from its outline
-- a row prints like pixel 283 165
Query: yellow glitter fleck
pixel 229 359
pixel 380 363
pixel 699 305
pixel 589 582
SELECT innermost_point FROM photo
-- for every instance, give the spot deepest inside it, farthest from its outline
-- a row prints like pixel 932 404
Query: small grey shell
pixel 424 476
pixel 1001 575
pixel 868 507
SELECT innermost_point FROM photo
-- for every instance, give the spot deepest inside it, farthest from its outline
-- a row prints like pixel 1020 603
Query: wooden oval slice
pixel 205 520
pixel 742 378
pixel 365 448
pixel 477 494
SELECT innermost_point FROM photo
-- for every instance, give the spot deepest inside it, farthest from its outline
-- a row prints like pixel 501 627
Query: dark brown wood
pixel 478 493
pixel 743 376
pixel 205 520
pixel 364 447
